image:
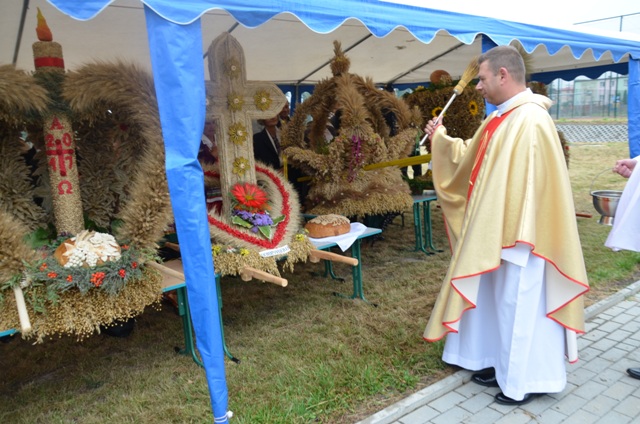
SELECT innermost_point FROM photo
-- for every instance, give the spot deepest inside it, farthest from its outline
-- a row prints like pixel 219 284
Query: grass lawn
pixel 306 356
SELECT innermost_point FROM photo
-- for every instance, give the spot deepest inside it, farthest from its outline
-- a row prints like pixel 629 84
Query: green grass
pixel 590 169
pixel 306 356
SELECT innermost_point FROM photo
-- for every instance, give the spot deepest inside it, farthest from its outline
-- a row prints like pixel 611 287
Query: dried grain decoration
pixel 13 251
pixel 22 101
pixel 374 126
pixel 233 101
pixel 21 97
pixel 231 253
pixel 16 189
pixel 82 315
pixel 462 118
pixel 92 92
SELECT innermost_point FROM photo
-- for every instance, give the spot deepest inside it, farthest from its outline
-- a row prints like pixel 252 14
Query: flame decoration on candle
pixel 42 29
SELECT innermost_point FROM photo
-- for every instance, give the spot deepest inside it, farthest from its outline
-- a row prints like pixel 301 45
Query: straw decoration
pixel 467 76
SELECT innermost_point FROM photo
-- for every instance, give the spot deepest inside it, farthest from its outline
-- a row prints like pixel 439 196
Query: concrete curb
pixel 411 403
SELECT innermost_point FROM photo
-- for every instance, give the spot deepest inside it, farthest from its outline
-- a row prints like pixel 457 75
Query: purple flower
pixel 262 220
pixel 246 215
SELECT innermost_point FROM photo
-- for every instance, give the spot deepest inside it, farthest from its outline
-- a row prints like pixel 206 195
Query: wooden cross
pixel 233 103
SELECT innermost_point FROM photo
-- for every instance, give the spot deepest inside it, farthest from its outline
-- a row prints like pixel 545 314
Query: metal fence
pixel 605 97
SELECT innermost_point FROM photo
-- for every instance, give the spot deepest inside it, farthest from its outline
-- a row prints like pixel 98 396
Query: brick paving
pixel 598 387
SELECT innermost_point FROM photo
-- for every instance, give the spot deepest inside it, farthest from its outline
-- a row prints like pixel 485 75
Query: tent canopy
pixel 389 42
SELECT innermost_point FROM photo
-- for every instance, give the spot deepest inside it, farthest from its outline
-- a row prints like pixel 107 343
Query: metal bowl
pixel 606 203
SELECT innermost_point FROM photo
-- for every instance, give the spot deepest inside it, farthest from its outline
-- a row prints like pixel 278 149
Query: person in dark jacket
pixel 266 145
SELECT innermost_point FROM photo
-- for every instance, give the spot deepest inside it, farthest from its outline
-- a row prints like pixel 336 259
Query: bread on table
pixel 328 226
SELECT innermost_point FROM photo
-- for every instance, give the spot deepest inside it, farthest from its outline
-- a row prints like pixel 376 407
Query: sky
pixel 547 12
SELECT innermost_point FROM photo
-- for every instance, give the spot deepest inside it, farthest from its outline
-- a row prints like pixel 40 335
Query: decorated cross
pixel 234 102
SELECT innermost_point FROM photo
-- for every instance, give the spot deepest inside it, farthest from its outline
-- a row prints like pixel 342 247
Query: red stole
pixel 484 144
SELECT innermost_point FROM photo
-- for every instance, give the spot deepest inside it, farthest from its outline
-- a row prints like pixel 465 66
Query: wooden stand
pixel 247 273
pixel 23 314
pixel 316 255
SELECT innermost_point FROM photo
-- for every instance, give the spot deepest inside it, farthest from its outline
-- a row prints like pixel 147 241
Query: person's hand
pixel 431 127
pixel 625 167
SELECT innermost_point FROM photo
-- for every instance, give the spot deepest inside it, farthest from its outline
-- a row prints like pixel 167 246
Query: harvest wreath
pixel 57 278
pixel 119 185
pixel 235 244
pixel 374 126
pixel 250 210
pixel 63 274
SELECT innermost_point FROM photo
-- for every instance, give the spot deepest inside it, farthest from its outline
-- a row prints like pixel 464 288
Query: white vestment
pixel 625 234
pixel 509 330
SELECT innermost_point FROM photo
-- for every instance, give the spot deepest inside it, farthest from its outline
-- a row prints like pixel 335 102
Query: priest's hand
pixel 431 127
pixel 625 167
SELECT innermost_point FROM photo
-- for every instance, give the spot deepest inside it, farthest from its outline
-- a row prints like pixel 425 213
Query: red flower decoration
pixel 52 275
pixel 43 267
pixel 122 273
pixel 280 229
pixel 69 278
pixel 97 278
pixel 249 197
pixel 134 265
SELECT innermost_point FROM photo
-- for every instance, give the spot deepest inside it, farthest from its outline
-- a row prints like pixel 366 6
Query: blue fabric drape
pixel 633 111
pixel 176 56
pixel 488 44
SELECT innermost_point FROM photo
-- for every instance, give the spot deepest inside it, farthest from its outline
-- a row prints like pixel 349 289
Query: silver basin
pixel 606 203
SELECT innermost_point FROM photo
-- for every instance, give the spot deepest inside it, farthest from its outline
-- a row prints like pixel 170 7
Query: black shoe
pixel 634 372
pixel 505 400
pixel 485 379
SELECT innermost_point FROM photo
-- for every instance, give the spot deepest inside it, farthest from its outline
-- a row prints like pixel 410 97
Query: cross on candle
pixel 234 103
pixel 58 155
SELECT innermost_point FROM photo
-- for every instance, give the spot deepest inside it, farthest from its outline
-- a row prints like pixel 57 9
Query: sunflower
pixel 237 133
pixel 249 196
pixel 436 111
pixel 232 67
pixel 240 166
pixel 473 108
pixel 262 100
pixel 235 102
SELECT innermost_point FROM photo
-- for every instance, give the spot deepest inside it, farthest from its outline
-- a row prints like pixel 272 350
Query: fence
pixel 605 97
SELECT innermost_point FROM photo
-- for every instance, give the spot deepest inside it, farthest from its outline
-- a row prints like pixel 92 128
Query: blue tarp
pixel 633 110
pixel 175 54
pixel 175 42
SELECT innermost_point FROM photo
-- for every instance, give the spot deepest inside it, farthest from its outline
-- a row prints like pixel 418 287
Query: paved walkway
pixel 598 387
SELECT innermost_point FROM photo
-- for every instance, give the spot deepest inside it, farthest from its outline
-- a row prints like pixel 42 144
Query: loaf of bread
pixel 328 226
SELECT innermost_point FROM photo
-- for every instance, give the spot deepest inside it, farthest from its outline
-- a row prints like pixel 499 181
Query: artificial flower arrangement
pixel 90 260
pixel 251 210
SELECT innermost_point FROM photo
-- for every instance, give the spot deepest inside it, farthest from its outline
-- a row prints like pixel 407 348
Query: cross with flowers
pixel 234 102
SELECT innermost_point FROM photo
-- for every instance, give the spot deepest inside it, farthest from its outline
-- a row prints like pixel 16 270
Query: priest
pixel 626 224
pixel 511 303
